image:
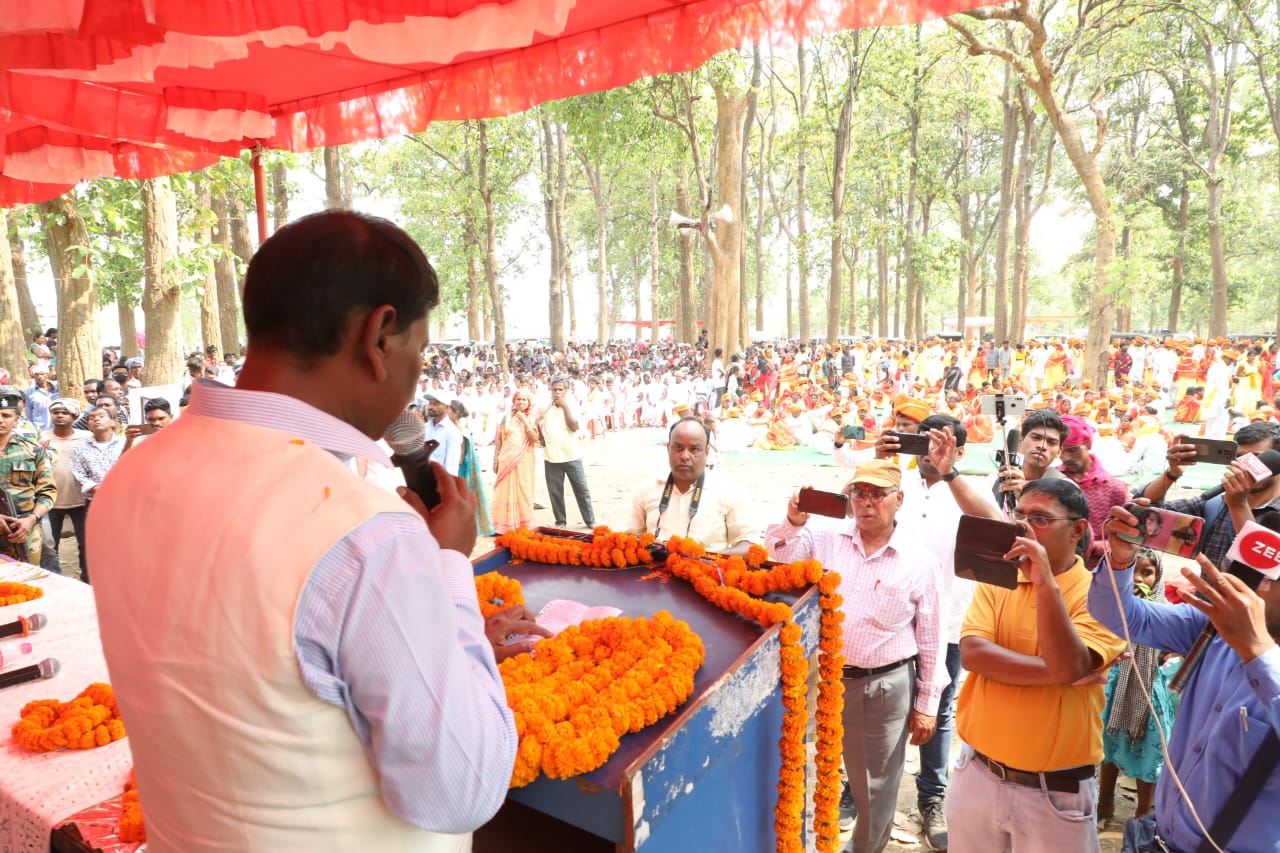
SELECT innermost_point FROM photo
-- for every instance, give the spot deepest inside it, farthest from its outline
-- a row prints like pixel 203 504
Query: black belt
pixel 1063 781
pixel 863 672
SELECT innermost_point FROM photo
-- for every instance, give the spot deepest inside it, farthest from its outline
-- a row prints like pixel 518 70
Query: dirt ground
pixel 618 461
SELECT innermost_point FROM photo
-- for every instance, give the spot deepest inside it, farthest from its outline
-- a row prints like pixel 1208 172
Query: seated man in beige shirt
pixel 692 501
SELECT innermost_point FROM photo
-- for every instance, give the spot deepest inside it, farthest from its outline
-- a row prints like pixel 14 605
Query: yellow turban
pixel 912 408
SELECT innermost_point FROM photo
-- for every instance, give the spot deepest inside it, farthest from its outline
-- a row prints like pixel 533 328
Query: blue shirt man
pixel 441 429
pixel 1230 703
pixel 41 393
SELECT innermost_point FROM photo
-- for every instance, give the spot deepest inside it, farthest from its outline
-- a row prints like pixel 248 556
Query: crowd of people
pixel 286 489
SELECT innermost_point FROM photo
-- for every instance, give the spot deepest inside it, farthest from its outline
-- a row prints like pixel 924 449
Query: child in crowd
pixel 1130 739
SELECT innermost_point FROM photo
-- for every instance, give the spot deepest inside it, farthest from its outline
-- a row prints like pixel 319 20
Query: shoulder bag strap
pixel 1261 766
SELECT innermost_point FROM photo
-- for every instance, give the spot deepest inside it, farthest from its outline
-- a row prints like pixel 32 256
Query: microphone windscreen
pixel 49 667
pixel 406 434
pixel 36 621
pixel 1012 439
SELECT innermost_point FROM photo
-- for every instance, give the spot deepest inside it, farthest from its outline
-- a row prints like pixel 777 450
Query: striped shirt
pixel 892 597
pixel 387 627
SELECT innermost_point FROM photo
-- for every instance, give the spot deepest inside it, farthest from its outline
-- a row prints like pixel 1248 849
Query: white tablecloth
pixel 39 791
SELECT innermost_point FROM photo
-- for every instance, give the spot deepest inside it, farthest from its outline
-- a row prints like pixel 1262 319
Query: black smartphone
pixel 911 443
pixel 853 432
pixel 420 479
pixel 1211 451
pixel 830 504
pixel 981 544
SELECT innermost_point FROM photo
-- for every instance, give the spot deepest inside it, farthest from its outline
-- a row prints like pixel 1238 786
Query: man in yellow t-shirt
pixel 1030 712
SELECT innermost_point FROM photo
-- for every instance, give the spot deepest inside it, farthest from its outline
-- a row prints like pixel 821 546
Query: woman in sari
pixel 469 470
pixel 513 462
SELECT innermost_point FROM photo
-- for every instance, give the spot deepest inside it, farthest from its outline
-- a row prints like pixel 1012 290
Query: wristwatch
pixel 950 475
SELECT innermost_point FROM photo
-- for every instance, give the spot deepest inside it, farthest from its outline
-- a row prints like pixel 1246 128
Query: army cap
pixel 10 397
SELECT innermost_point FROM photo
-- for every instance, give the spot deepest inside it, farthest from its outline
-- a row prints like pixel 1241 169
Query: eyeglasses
pixel 1040 522
pixel 875 497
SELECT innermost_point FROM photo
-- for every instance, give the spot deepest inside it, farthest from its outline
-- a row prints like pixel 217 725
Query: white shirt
pixel 930 517
pixel 723 519
pixel 892 598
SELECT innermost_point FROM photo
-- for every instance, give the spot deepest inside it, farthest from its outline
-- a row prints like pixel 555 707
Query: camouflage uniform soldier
pixel 27 478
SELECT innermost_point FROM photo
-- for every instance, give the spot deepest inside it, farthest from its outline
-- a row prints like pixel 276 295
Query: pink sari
pixel 512 504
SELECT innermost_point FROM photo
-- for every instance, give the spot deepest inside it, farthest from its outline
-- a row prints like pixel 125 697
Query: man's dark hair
pixel 307 280
pixel 942 422
pixel 690 419
pixel 1046 418
pixel 99 386
pixel 1062 490
pixel 1258 432
pixel 559 379
pixel 157 403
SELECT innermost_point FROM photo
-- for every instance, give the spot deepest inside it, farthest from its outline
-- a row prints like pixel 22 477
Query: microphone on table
pixel 1270 458
pixel 25 625
pixel 411 453
pixel 47 668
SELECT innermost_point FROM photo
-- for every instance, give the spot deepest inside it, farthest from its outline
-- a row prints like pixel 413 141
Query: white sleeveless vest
pixel 200 541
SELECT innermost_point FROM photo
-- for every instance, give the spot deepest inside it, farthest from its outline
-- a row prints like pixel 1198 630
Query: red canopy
pixel 140 88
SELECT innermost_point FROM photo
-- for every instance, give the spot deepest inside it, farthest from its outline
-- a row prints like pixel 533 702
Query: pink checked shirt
pixel 892 598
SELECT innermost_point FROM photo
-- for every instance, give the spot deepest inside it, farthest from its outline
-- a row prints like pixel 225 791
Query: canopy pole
pixel 259 193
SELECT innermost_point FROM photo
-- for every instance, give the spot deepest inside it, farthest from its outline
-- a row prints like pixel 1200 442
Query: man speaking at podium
pixel 310 670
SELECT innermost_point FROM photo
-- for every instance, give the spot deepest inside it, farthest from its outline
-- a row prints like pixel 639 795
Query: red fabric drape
pixel 141 94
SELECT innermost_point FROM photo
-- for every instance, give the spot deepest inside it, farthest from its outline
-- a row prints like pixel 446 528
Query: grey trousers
pixel 556 472
pixel 876 710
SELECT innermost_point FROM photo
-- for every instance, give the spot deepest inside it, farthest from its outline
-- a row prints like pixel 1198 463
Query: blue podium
pixel 702 780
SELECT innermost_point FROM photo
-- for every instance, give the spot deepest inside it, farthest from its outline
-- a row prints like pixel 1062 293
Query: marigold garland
pixel 734 584
pixel 606 550
pixel 91 719
pixel 131 830
pixel 593 683
pixel 497 592
pixel 17 593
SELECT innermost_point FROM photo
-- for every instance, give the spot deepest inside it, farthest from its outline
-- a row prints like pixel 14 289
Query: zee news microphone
pixel 25 626
pixel 47 668
pixel 411 453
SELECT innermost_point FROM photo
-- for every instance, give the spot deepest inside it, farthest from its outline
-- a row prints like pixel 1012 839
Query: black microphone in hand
pixel 24 626
pixel 1270 458
pixel 411 453
pixel 1008 457
pixel 47 668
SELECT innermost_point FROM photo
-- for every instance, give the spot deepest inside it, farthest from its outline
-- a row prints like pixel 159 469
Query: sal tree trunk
pixel 491 250
pixel 726 245
pixel 13 343
pixel 162 292
pixel 79 339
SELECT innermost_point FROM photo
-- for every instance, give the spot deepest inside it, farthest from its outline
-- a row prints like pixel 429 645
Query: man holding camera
pixel 908 413
pixel 1033 654
pixel 1043 434
pixel 1224 743
pixel 892 635
pixel 1241 500
pixel 930 515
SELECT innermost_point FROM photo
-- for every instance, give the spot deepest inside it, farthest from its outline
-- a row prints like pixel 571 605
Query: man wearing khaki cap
pixel 892 635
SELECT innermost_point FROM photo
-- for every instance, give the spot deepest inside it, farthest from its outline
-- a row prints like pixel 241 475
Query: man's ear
pixel 373 342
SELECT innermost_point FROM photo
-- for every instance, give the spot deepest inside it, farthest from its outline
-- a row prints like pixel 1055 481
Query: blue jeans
pixel 935 755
